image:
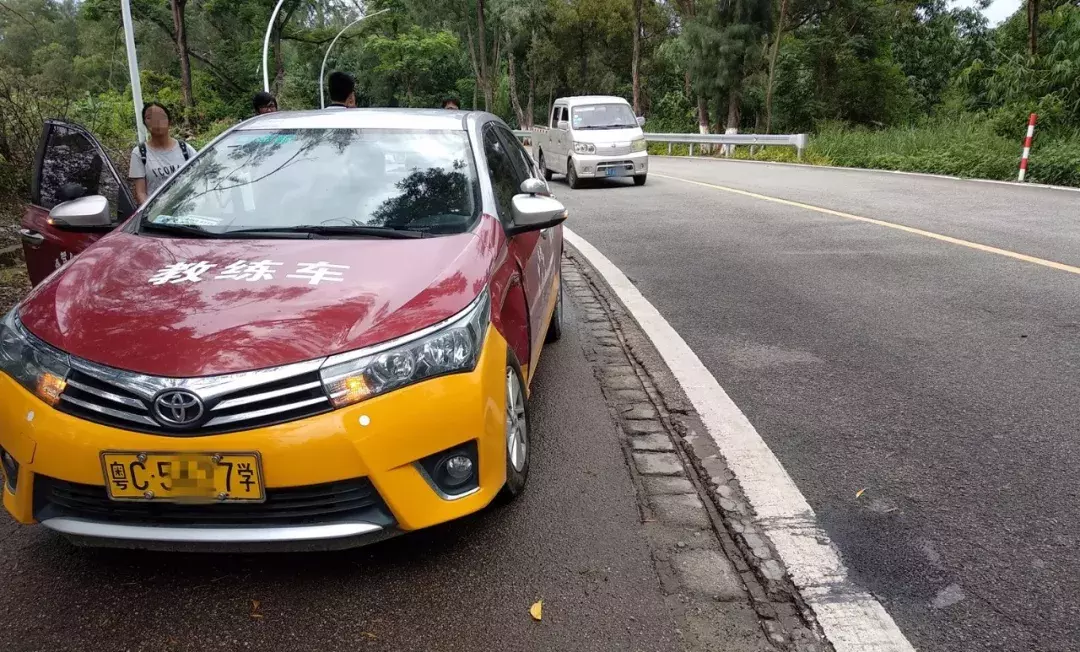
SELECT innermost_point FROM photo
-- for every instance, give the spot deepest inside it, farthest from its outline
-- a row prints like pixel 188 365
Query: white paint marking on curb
pixel 851 618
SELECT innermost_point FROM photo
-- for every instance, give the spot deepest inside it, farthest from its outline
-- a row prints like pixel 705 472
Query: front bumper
pixel 54 449
pixel 598 165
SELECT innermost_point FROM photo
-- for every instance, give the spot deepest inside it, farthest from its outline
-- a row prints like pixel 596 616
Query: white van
pixel 592 136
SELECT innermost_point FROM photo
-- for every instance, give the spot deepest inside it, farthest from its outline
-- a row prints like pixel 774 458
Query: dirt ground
pixel 13 285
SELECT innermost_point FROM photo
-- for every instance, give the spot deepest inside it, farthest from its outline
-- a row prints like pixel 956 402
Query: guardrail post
pixel 800 145
pixel 669 149
pixel 691 149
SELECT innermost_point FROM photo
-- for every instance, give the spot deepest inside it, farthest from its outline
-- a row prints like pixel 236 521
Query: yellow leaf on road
pixel 537 610
pixel 859 493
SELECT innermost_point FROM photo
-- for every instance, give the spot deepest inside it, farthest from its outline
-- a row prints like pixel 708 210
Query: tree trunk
pixel 733 110
pixel 529 105
pixel 702 115
pixel 635 66
pixel 772 65
pixel 1033 26
pixel 484 81
pixel 511 70
pixel 180 34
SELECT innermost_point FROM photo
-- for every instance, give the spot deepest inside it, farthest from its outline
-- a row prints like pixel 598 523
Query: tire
pixel 554 332
pixel 640 180
pixel 517 410
pixel 544 168
pixel 571 175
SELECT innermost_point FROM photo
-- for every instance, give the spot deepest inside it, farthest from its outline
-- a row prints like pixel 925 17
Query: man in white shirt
pixel 342 88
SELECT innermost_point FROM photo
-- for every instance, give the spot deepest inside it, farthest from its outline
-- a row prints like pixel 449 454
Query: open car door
pixel 70 164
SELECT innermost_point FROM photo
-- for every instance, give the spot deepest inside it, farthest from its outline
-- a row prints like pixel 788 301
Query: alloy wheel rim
pixel 516 442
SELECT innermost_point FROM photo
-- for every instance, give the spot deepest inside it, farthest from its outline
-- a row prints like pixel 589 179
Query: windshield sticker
pixel 249 271
pixel 186 220
pixel 262 139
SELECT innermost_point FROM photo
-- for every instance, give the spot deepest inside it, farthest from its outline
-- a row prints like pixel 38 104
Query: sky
pixel 997 12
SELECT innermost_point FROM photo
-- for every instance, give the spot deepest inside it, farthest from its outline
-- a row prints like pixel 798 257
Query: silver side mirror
pixel 641 121
pixel 534 213
pixel 534 186
pixel 81 213
pixel 562 124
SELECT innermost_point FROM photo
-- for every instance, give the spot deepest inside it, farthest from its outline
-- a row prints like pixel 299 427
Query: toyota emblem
pixel 178 408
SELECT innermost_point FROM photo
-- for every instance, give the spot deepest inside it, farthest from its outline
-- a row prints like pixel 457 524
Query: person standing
pixel 342 88
pixel 154 161
pixel 264 102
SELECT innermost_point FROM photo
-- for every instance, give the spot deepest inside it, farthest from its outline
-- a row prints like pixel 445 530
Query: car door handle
pixel 31 238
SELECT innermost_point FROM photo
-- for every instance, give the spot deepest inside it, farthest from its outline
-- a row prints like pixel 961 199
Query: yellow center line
pixel 891 225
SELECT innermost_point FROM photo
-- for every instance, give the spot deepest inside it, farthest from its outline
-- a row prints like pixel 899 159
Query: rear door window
pixel 70 155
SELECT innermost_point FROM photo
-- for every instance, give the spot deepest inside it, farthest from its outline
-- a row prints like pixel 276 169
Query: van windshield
pixel 301 180
pixel 603 116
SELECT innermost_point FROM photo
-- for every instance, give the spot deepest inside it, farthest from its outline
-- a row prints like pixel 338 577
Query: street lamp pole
pixel 133 69
pixel 322 68
pixel 266 45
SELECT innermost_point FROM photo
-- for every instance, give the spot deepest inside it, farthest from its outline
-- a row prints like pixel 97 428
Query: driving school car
pixel 320 332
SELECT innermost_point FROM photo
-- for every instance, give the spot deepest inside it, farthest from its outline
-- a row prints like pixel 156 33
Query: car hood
pixel 114 305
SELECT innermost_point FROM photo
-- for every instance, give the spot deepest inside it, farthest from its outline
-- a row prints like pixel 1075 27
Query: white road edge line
pixel 851 618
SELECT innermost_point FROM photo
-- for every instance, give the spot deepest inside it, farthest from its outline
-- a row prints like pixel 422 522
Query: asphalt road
pixel 942 379
pixel 575 539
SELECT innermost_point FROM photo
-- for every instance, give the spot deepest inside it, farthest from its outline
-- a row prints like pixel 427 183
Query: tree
pixel 180 38
pixel 636 60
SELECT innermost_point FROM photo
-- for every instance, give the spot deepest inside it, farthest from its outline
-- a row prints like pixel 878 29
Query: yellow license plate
pixel 183 477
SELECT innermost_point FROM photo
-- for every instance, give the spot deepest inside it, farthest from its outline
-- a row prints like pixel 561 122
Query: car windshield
pixel 603 116
pixel 323 180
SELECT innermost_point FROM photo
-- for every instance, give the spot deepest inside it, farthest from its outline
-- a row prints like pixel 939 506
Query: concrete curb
pixel 1040 186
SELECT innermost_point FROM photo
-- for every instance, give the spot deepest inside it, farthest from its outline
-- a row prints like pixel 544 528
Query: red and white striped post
pixel 1027 147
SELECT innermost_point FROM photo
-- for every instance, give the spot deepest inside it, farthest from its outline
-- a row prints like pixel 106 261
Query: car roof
pixel 594 99
pixel 413 119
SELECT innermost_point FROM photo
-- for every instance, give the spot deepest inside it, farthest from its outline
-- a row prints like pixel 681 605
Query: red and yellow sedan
pixel 318 333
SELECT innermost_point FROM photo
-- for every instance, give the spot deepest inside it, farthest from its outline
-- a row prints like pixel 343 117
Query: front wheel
pixel 639 180
pixel 554 333
pixel 571 175
pixel 516 433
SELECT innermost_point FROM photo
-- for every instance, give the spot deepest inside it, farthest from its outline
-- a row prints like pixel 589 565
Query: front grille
pixel 346 500
pixel 620 149
pixel 240 402
pixel 622 165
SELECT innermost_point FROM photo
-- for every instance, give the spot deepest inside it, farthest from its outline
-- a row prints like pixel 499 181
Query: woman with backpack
pixel 155 160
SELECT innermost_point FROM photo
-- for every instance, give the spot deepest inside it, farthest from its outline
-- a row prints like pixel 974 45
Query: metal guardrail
pixel 798 141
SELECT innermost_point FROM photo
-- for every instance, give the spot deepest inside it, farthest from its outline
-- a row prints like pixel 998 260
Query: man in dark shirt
pixel 342 88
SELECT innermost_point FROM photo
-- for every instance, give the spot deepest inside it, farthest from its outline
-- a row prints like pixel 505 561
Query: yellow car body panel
pixel 403 426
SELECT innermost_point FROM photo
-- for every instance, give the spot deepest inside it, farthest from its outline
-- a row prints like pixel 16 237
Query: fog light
pixel 458 469
pixel 588 169
pixel 11 469
pixel 452 473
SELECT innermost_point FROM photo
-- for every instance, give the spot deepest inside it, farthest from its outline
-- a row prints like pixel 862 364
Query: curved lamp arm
pixel 322 68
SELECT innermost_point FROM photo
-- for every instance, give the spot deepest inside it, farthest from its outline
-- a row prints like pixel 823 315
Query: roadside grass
pixel 961 148
pixel 14 284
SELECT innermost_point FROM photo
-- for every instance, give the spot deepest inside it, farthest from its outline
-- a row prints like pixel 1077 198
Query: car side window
pixel 69 156
pixel 523 164
pixel 502 173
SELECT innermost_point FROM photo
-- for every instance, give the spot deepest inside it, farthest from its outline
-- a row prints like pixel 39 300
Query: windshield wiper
pixel 187 229
pixel 341 229
pixel 607 127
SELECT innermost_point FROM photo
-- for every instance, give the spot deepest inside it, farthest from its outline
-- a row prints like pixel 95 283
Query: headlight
pixel 584 148
pixel 36 366
pixel 450 347
pixel 639 145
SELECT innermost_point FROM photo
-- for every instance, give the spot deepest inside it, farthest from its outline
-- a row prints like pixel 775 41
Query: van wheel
pixel 571 175
pixel 517 431
pixel 639 180
pixel 544 168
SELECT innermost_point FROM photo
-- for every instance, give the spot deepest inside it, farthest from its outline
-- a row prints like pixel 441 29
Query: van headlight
pixel 446 348
pixel 639 145
pixel 33 364
pixel 584 148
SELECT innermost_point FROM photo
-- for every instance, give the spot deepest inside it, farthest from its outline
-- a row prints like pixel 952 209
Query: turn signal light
pixel 50 387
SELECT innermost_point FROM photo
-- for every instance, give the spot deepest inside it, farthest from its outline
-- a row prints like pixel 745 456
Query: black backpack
pixel 183 148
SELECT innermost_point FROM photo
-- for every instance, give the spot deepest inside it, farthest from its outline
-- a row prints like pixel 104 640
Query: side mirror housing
pixel 534 186
pixel 563 125
pixel 641 121
pixel 535 213
pixel 83 213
